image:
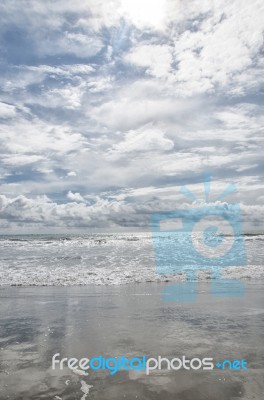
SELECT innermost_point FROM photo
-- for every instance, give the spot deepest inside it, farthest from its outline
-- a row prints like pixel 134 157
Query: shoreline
pixel 166 281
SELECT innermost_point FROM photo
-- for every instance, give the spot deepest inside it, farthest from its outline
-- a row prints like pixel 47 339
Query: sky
pixel 108 108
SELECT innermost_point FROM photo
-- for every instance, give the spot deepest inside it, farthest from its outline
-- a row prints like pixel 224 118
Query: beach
pixel 131 201
pixel 129 320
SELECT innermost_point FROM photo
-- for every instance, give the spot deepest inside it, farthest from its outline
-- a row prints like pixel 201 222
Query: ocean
pixel 102 259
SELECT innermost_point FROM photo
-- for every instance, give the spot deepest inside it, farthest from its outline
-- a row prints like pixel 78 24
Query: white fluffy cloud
pixel 145 139
pixel 156 58
pixel 227 44
pixel 75 197
pixel 7 110
pixel 113 213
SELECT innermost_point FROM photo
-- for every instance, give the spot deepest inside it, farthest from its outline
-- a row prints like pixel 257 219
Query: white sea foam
pixel 85 388
pixel 102 260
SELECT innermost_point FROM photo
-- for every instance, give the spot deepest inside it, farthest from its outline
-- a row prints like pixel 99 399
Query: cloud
pixel 227 44
pixel 69 96
pixel 145 139
pixel 43 213
pixel 61 70
pixel 71 173
pixel 139 103
pixel 156 58
pixel 80 45
pixel 75 197
pixel 7 110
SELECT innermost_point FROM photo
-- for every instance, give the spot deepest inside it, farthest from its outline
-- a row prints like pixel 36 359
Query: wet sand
pixel 129 320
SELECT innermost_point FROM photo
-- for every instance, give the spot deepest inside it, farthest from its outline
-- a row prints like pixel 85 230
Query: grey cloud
pixel 104 213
